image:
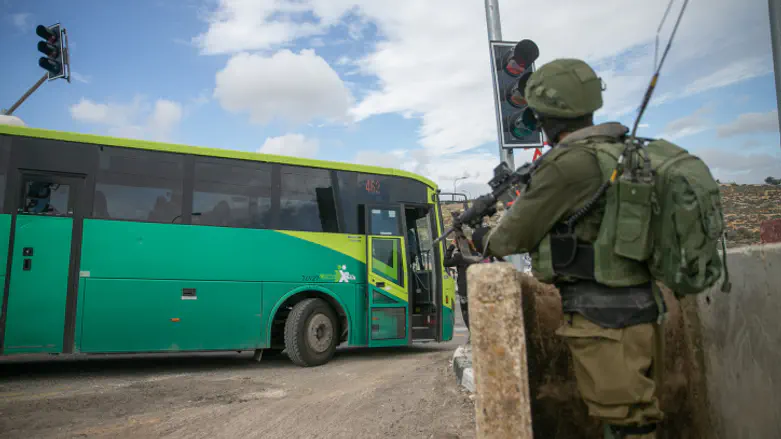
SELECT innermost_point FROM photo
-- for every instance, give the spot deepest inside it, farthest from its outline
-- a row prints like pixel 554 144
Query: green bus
pixel 114 245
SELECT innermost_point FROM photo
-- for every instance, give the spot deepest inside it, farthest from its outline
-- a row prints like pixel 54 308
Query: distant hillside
pixel 745 207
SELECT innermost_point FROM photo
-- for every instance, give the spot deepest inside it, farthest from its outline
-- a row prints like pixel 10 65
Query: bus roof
pixel 204 151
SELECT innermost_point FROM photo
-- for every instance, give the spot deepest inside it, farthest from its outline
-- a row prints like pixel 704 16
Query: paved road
pixel 361 393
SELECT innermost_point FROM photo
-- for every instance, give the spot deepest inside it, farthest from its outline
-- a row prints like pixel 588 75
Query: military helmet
pixel 564 88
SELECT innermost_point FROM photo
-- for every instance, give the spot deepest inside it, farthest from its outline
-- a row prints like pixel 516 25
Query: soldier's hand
pixel 478 236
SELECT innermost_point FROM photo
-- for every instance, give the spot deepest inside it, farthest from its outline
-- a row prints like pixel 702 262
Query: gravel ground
pixel 362 393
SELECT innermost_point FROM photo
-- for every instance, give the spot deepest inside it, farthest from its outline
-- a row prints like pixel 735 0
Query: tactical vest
pixel 587 251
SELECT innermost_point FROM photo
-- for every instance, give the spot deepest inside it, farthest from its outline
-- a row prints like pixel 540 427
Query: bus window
pixel 46 198
pixel 305 200
pixel 232 194
pixel 386 260
pixel 138 185
pixel 384 222
pixel 351 217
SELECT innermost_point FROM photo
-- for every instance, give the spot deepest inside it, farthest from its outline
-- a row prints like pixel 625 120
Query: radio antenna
pixel 658 66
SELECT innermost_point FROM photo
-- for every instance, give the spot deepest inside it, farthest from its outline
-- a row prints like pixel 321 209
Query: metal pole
pixel 494 23
pixel 774 7
pixel 27 94
pixel 456 181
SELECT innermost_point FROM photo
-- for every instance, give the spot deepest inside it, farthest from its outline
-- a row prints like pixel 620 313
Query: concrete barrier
pixel 722 366
pixel 741 346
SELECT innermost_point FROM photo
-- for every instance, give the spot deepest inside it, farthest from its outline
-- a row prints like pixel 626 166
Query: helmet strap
pixel 554 127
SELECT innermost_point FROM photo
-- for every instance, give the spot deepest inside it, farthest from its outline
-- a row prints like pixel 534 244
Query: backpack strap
pixel 726 285
pixel 613 131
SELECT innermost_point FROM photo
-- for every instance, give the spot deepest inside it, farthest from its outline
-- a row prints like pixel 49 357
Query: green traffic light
pixel 520 132
pixel 522 124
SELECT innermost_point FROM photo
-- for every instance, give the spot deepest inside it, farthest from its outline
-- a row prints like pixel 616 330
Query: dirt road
pixel 361 393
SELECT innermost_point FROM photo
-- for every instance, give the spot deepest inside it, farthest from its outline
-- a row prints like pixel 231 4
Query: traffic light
pixel 513 63
pixel 53 47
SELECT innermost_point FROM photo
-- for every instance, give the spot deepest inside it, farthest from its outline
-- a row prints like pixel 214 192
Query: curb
pixel 462 366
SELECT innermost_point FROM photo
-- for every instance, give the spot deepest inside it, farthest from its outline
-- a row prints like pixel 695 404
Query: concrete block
pixel 462 368
pixel 741 336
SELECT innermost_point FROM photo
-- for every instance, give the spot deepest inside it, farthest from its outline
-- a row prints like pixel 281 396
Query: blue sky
pixel 385 84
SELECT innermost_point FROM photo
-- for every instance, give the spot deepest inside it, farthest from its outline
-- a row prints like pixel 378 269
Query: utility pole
pixel 456 181
pixel 24 97
pixel 774 8
pixel 494 23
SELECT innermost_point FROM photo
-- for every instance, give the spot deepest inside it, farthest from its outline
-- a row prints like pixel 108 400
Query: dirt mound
pixel 557 409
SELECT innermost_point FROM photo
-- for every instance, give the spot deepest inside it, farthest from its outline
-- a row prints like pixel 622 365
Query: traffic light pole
pixel 494 22
pixel 26 95
pixel 774 7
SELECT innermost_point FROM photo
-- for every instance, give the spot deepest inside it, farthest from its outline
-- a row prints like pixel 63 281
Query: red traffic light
pixel 47 34
pixel 511 67
pixel 514 96
pixel 525 53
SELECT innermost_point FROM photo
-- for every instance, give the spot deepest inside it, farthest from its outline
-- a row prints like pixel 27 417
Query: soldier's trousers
pixel 464 302
pixel 618 371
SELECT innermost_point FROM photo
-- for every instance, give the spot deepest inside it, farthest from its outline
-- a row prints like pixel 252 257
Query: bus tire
pixel 311 333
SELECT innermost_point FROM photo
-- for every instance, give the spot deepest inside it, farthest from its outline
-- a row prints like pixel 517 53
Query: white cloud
pixel 238 25
pixel 164 118
pixel 200 100
pixel 730 165
pixel 751 143
pixel 296 145
pixel 731 74
pixel 687 125
pixel 343 60
pixel 76 76
pixel 11 120
pixel 751 123
pixel 22 22
pixel 104 114
pixel 136 119
pixel 297 87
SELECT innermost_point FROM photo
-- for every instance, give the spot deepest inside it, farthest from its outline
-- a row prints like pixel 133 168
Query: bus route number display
pixel 372 186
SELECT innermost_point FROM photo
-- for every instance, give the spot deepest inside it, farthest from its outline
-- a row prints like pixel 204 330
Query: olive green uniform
pixel 611 307
pixel 614 367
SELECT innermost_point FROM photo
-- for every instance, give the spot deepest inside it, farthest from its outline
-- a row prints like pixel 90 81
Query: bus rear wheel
pixel 311 333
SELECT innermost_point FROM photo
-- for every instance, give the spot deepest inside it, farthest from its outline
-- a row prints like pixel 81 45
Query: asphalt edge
pixel 462 367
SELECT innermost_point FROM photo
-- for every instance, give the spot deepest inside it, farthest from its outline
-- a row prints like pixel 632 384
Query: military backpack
pixel 663 207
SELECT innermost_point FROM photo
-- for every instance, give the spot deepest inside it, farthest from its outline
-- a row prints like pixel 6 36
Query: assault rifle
pixel 505 185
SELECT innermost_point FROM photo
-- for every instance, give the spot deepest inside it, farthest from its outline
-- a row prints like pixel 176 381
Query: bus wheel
pixel 311 333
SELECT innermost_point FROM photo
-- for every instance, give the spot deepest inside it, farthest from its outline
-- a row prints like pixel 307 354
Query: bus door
pixel 387 282
pixel 40 267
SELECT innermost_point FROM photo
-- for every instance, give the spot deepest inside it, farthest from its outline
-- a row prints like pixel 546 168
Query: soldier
pixel 454 258
pixel 613 332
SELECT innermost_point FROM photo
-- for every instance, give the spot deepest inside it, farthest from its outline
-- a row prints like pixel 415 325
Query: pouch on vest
pixel 633 224
pixel 571 256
